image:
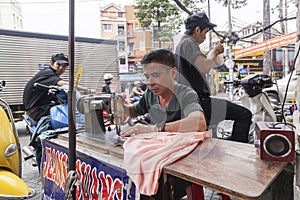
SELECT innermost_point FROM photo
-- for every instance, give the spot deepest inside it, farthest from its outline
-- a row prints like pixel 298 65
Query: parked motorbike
pixel 50 126
pixel 11 184
pixel 257 101
pixel 58 112
pixel 93 115
pixel 237 91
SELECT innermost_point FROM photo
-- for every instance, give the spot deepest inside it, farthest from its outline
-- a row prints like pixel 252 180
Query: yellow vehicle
pixel 11 184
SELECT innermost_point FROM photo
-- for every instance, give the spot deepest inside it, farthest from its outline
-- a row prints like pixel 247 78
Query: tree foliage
pixel 165 15
pixel 162 15
pixel 234 3
pixel 152 11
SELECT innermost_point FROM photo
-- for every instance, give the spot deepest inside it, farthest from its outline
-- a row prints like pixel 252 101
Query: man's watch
pixel 160 126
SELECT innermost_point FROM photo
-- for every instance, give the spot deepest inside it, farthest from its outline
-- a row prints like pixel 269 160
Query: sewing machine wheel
pixel 80 104
pixel 117 103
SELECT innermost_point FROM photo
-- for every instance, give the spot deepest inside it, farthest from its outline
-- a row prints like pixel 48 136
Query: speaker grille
pixel 277 145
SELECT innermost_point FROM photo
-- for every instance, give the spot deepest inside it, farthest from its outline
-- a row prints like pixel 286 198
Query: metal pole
pixel 210 34
pixel 230 60
pixel 286 49
pixel 210 77
pixel 71 121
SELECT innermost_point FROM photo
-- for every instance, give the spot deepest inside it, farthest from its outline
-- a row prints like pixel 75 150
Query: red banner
pixel 266 45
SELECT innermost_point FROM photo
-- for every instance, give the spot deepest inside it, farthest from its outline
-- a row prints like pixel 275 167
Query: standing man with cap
pixel 193 66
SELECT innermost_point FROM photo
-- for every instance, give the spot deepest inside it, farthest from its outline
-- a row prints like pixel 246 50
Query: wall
pixel 22 54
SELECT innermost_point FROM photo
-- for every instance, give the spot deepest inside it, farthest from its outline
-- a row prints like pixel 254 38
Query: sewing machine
pixel 104 115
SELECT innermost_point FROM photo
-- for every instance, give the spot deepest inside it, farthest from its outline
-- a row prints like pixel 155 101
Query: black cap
pixel 60 58
pixel 199 19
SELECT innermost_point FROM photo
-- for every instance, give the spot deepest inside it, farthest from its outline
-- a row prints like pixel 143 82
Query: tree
pixel 162 15
pixel 234 3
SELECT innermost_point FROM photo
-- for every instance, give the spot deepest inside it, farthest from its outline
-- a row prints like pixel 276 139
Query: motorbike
pixel 11 184
pixel 257 101
pixel 237 91
pixel 50 126
pixel 58 112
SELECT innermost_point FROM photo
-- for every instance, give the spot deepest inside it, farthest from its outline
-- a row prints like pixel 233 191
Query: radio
pixel 276 141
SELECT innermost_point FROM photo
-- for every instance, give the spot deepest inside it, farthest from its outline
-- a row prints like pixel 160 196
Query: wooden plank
pixel 97 145
pixel 230 167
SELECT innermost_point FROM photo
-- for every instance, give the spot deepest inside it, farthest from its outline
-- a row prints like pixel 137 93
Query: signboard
pixel 78 75
pixel 266 45
pixel 98 179
pixel 256 65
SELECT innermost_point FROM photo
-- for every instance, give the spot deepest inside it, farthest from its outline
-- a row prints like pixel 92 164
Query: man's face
pixel 200 36
pixel 60 68
pixel 159 78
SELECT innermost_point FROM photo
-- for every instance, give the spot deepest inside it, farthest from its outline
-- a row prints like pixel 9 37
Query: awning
pixel 266 45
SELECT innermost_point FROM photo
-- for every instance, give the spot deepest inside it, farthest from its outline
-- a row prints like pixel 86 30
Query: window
pixel 130 48
pixel 120 14
pixel 121 45
pixel 142 46
pixel 121 30
pixel 107 27
pixel 122 61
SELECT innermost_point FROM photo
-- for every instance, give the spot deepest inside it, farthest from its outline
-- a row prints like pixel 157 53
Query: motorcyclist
pixel 137 92
pixel 38 102
pixel 107 78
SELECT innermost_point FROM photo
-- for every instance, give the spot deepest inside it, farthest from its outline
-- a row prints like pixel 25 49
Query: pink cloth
pixel 145 155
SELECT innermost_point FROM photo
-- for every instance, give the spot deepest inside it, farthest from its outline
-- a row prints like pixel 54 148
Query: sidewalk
pixel 30 174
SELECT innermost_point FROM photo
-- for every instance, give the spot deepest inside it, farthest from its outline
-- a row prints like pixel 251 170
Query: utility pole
pixel 286 50
pixel 229 62
pixel 267 62
pixel 210 34
pixel 210 78
pixel 282 27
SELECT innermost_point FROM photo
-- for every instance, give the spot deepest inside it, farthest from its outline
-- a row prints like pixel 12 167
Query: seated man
pixel 36 100
pixel 137 92
pixel 171 107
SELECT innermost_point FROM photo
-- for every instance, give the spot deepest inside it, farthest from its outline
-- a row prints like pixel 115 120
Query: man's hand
pixel 218 49
pixel 139 129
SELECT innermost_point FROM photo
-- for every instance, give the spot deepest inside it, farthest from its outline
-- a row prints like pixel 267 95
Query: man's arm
pixel 194 122
pixel 79 88
pixel 204 65
pixel 129 110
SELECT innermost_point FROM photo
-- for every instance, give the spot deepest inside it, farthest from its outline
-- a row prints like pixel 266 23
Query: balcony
pixel 121 33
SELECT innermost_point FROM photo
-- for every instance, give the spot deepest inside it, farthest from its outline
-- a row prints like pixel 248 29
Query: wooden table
pixel 231 168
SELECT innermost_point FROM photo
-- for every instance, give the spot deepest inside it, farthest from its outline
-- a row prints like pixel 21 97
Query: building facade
pixel 11 15
pixel 133 42
pixel 113 27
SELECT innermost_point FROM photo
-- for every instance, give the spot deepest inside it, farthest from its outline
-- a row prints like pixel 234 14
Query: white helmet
pixel 108 77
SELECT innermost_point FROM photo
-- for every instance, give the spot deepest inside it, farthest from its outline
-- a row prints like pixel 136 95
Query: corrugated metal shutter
pixel 21 53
